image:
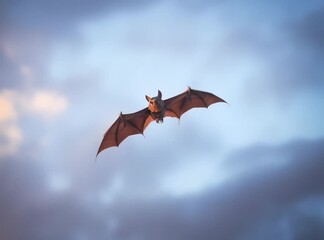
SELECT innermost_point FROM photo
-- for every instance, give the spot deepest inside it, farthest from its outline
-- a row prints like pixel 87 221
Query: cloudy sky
pixel 252 169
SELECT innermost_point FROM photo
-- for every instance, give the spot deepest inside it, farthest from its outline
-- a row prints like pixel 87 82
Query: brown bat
pixel 135 123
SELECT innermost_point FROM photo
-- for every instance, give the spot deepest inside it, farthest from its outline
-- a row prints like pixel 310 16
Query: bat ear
pixel 147 98
pixel 159 94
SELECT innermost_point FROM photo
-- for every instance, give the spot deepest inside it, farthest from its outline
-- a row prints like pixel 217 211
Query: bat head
pixel 156 104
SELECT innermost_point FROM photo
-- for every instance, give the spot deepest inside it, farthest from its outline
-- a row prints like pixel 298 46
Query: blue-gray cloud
pixel 271 186
pixel 58 16
pixel 241 209
pixel 284 195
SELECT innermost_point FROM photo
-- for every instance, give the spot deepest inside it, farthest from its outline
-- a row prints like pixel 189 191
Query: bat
pixel 135 123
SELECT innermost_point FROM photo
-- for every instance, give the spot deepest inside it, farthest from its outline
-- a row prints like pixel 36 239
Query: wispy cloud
pixel 15 104
pixel 45 103
pixel 10 133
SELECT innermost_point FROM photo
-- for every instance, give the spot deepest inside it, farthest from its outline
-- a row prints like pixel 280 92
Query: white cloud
pixel 45 103
pixel 10 138
pixel 14 104
pixel 10 134
pixel 7 109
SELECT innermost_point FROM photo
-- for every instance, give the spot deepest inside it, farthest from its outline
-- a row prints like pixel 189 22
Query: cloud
pixel 38 102
pixel 10 138
pixel 262 200
pixel 59 17
pixel 25 196
pixel 16 104
pixel 8 111
pixel 45 103
pixel 242 208
pixel 59 60
pixel 294 56
pixel 40 25
pixel 10 133
pixel 310 30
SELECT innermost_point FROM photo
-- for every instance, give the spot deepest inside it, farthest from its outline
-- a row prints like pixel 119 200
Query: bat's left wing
pixel 125 125
pixel 178 105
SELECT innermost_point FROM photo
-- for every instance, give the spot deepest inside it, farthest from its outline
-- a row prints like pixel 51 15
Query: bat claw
pixel 134 123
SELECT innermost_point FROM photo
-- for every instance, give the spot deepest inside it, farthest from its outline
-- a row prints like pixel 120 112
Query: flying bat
pixel 135 123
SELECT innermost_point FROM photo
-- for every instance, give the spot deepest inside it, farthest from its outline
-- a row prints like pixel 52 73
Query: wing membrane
pixel 178 105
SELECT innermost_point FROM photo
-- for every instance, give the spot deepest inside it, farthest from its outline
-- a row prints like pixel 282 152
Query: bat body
pixel 135 123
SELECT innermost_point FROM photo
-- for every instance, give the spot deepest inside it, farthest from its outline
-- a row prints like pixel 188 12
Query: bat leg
pixel 159 120
pixel 157 116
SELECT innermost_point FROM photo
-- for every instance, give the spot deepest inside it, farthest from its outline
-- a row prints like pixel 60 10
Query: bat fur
pixel 135 123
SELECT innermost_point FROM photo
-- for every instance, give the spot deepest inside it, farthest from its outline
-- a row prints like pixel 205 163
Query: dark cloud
pixel 29 210
pixel 292 56
pixel 59 16
pixel 255 203
pixel 305 66
pixel 256 199
pixel 310 30
pixel 307 226
pixel 301 68
pixel 39 25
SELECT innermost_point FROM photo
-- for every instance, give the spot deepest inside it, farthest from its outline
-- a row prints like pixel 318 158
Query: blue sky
pixel 248 170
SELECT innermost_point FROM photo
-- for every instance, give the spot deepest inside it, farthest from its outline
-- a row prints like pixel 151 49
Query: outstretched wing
pixel 178 105
pixel 125 125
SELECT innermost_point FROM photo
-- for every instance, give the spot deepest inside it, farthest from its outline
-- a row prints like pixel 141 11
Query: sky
pixel 250 169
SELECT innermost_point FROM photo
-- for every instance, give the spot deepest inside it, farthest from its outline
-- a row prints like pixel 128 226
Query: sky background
pixel 253 169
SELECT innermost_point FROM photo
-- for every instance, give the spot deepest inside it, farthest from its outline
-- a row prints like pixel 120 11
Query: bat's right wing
pixel 178 105
pixel 125 125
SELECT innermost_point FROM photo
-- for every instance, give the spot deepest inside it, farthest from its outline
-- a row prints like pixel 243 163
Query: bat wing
pixel 178 105
pixel 125 125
